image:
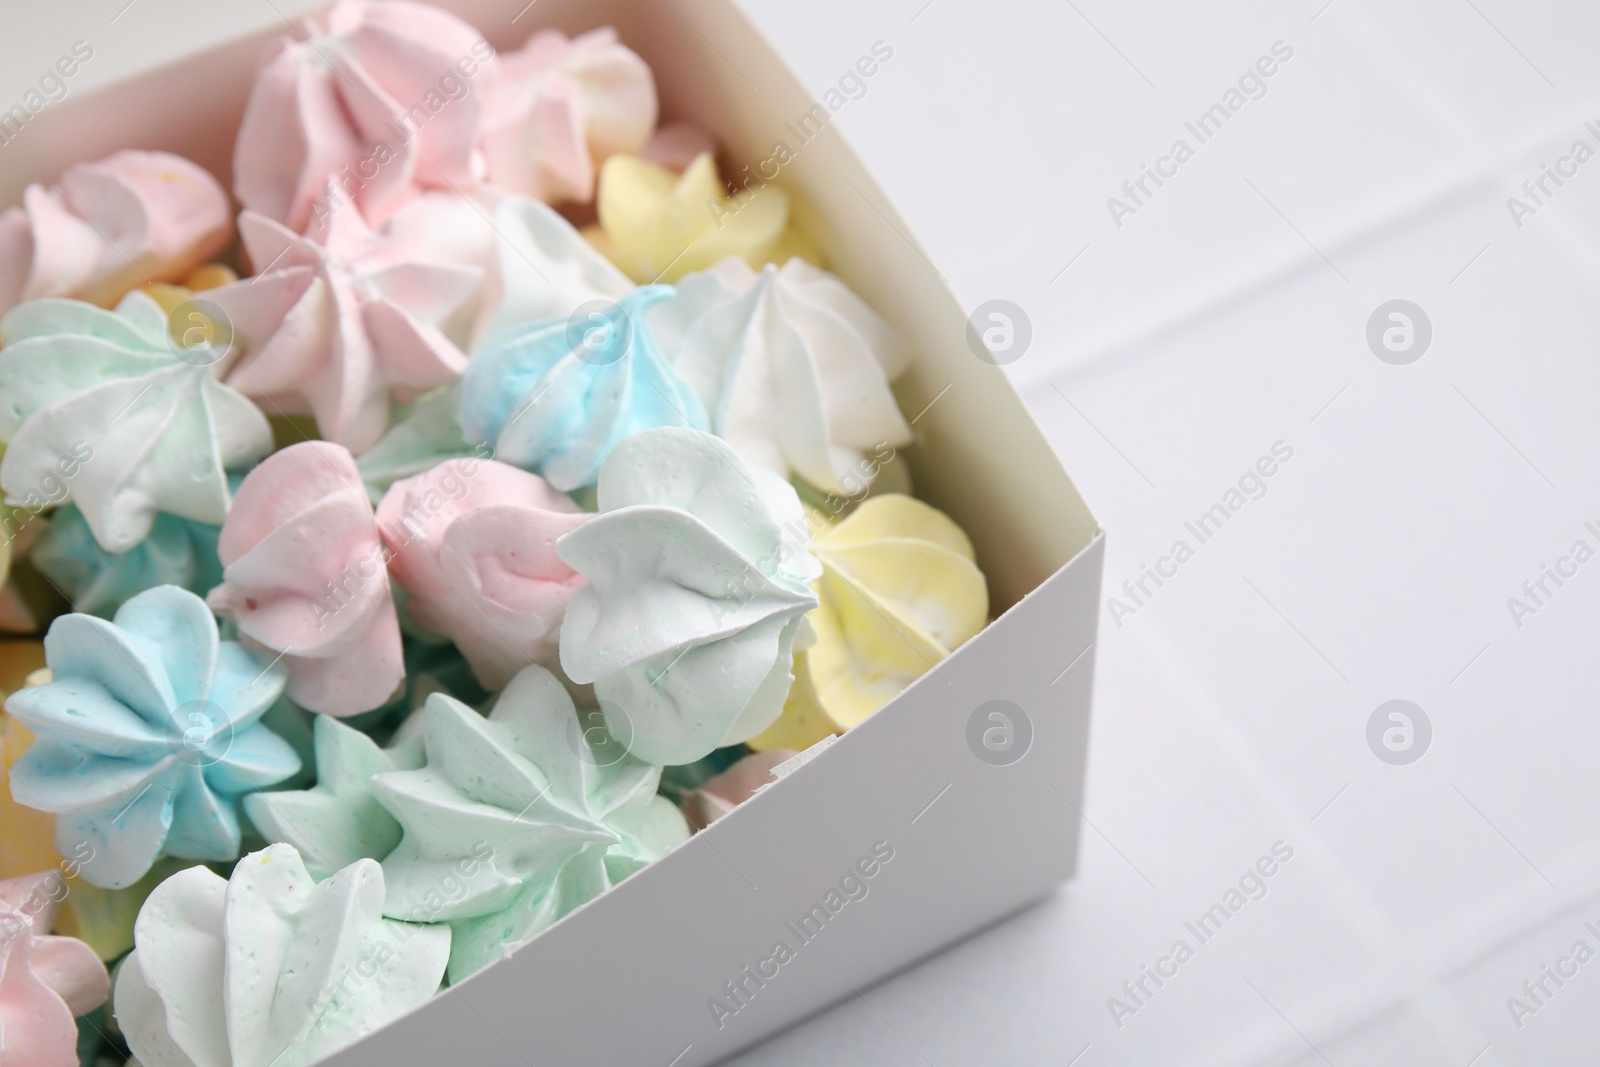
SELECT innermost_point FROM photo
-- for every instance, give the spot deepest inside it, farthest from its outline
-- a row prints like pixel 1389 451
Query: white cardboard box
pixel 629 978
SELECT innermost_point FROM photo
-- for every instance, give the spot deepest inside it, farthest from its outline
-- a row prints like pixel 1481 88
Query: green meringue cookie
pixel 270 968
pixel 515 820
pixel 338 821
pixel 101 408
pixel 422 435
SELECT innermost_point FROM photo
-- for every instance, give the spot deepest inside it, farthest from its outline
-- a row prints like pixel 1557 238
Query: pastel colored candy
pixel 45 981
pixel 176 552
pixel 473 542
pixel 338 822
pixel 732 787
pixel 102 408
pixel 102 229
pixel 518 817
pixel 147 736
pixel 559 108
pixel 27 837
pixel 544 268
pixel 335 328
pixel 899 592
pixel 377 102
pixel 270 968
pixel 556 396
pixel 793 367
pixel 658 225
pixel 699 582
pixel 304 577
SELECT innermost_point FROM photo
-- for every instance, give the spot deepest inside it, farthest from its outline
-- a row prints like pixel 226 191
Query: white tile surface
pixel 1227 315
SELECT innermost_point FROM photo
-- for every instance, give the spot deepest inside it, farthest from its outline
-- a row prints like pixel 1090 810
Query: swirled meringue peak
pixel 474 543
pixel 545 269
pixel 131 424
pixel 338 821
pixel 335 328
pixel 147 736
pixel 44 981
pixel 560 108
pixel 793 367
pixel 658 225
pixel 270 968
pixel 699 582
pixel 304 577
pixel 556 396
pixel 177 552
pixel 380 101
pixel 516 820
pixel 105 228
pixel 900 591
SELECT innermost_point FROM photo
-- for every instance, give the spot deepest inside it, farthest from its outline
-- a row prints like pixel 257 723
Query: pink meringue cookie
pixel 44 981
pixel 335 328
pixel 473 542
pixel 560 108
pixel 381 99
pixel 109 227
pixel 304 575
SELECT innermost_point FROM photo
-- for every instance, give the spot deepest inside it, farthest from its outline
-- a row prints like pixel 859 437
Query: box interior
pixel 978 455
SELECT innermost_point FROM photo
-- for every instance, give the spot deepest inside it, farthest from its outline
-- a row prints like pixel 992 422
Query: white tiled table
pixel 1227 314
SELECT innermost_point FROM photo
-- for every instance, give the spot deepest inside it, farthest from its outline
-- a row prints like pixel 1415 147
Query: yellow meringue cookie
pixel 657 225
pixel 210 276
pixel 899 592
pixel 27 837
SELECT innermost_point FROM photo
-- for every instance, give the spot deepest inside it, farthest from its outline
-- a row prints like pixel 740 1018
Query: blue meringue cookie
pixel 147 736
pixel 176 552
pixel 555 396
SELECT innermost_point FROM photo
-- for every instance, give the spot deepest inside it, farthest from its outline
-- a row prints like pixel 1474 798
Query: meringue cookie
pixel 270 968
pixel 515 820
pixel 379 101
pixel 147 736
pixel 556 396
pixel 793 367
pixel 473 542
pixel 658 225
pixel 27 837
pixel 338 822
pixel 106 228
pixel 176 552
pixel 103 395
pixel 560 108
pixel 336 327
pixel 732 787
pixel 44 981
pixel 304 576
pixel 699 582
pixel 544 268
pixel 900 591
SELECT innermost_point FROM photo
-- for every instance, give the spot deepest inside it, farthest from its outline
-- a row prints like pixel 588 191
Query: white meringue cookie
pixel 104 402
pixel 793 366
pixel 545 269
pixel 270 968
pixel 699 581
